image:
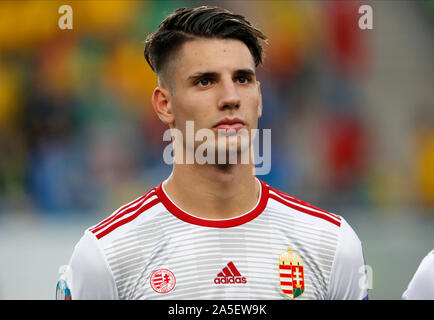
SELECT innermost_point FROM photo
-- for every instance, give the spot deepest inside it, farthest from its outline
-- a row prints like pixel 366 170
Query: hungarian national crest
pixel 291 274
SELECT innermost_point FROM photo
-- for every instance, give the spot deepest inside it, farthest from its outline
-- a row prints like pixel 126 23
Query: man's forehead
pixel 214 55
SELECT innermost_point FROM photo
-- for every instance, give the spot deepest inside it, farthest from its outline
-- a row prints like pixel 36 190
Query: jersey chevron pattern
pixel 283 248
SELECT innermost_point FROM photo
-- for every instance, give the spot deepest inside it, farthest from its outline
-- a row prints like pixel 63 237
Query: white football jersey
pixel 421 286
pixel 283 248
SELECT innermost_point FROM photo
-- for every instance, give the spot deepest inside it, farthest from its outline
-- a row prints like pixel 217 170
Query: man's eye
pixel 203 82
pixel 243 80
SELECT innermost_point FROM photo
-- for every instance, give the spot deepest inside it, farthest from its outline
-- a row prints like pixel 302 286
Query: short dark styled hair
pixel 186 24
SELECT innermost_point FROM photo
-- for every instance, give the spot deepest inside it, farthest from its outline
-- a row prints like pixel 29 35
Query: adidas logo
pixel 230 275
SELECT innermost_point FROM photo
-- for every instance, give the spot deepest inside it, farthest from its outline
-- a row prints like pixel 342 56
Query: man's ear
pixel 260 99
pixel 161 101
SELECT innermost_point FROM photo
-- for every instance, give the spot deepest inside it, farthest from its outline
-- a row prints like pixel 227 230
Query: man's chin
pixel 232 154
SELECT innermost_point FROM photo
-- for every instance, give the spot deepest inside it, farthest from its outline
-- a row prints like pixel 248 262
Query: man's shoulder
pixel 428 260
pixel 284 202
pixel 313 223
pixel 128 216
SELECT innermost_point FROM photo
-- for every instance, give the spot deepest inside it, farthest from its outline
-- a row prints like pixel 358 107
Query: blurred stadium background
pixel 351 112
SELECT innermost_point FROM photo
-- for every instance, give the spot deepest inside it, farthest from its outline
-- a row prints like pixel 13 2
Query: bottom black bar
pixel 214 309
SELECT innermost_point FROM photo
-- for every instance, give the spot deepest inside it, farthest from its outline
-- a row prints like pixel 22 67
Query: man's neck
pixel 213 192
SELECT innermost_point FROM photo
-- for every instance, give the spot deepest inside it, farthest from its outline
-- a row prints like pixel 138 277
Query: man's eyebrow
pixel 198 75
pixel 245 72
pixel 211 74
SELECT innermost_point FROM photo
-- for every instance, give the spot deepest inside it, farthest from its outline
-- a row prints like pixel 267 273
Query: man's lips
pixel 230 124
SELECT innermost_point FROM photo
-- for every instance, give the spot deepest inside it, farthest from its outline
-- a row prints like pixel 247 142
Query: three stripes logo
pixel 230 275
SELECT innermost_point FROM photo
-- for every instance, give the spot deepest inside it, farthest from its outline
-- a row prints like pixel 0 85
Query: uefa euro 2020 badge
pixel 62 290
pixel 291 274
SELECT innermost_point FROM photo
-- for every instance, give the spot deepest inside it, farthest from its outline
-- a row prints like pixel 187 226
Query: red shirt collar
pixel 215 223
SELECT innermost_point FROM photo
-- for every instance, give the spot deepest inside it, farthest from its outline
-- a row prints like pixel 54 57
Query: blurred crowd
pixel 78 133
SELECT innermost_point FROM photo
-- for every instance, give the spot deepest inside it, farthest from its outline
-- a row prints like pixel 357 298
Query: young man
pixel 421 286
pixel 212 230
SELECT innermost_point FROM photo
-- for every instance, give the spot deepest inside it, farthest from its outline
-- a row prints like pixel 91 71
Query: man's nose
pixel 229 97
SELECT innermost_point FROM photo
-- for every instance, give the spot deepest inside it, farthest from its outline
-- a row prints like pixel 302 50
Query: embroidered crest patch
pixel 291 274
